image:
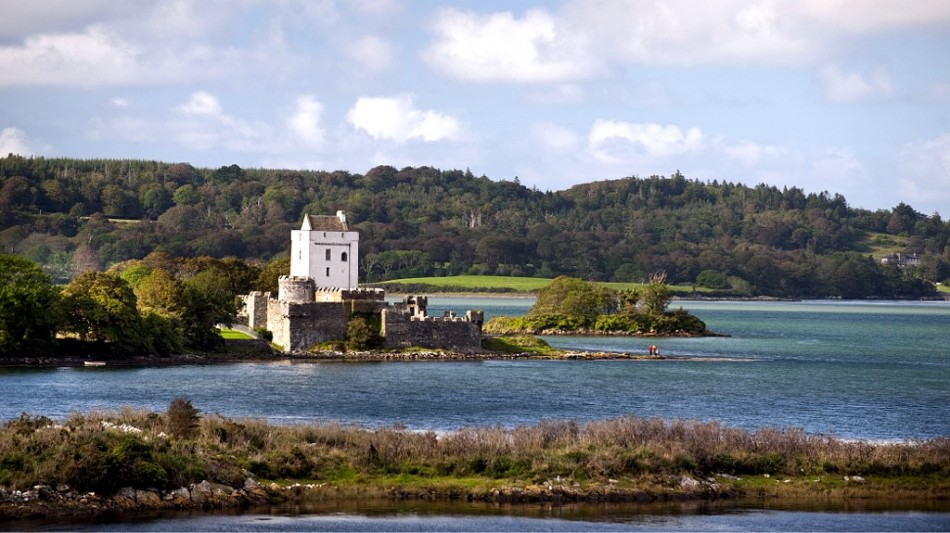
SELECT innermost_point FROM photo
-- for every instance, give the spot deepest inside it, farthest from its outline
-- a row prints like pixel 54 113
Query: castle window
pixel 328 272
pixel 328 254
pixel 343 257
pixel 299 254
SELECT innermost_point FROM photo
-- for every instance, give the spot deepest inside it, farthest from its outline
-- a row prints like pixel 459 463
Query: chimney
pixel 342 216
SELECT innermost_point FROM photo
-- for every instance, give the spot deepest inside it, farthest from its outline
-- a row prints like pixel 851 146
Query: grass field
pixel 233 334
pixel 509 283
pixel 943 288
pixel 881 244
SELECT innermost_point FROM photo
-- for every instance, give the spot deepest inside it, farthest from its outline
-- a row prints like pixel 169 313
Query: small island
pixel 571 306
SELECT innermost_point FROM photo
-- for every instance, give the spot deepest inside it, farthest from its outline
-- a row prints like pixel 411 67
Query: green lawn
pixel 474 283
pixel 943 288
pixel 233 334
pixel 881 244
pixel 511 283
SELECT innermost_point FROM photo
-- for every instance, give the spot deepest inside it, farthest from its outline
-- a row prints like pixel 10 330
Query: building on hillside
pixel 317 300
pixel 901 260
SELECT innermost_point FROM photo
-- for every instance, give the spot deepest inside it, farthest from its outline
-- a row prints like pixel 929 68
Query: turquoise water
pixel 876 371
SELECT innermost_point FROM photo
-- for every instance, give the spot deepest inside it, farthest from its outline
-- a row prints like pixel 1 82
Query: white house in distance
pixel 324 249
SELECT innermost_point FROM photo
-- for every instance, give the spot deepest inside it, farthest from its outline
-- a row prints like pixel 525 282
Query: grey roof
pixel 324 223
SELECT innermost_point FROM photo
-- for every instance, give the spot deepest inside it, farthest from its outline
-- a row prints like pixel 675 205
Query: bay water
pixel 877 371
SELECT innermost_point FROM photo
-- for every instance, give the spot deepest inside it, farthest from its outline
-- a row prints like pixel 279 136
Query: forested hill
pixel 71 215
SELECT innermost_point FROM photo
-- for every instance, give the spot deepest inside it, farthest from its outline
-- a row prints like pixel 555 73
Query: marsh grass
pixel 103 451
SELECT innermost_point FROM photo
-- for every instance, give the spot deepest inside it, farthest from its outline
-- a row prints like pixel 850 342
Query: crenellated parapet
pixel 295 289
pixel 407 324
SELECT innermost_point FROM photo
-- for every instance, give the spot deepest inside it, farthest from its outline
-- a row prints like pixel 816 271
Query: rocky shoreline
pixel 45 502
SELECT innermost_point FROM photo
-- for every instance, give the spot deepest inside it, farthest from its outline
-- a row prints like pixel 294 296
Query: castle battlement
pixel 322 295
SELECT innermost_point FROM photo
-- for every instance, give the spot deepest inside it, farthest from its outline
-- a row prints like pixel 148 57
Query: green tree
pixel 159 292
pixel 267 280
pixel 210 302
pixel 182 418
pixel 656 295
pixel 711 279
pixel 28 304
pixel 101 307
pixel 574 297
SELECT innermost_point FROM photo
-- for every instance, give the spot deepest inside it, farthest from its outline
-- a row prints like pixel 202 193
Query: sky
pixel 844 96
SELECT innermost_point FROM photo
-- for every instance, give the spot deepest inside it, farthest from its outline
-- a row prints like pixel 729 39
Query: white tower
pixel 325 250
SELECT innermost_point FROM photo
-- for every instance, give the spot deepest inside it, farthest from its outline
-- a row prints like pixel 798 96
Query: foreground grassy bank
pixel 622 459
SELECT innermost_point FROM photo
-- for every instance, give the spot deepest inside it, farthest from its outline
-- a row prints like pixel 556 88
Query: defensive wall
pixel 303 315
pixel 408 324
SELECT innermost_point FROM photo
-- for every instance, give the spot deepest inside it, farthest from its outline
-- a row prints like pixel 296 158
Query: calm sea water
pixel 877 371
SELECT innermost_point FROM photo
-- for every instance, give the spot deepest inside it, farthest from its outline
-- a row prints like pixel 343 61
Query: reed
pixel 103 451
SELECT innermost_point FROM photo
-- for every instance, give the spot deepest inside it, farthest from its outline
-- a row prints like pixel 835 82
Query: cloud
pixel 500 47
pixel 372 53
pixel 119 101
pixel 375 7
pixel 925 170
pixel 567 93
pixel 868 17
pixel 203 124
pixel 21 19
pixel 555 138
pixel 614 141
pixel 397 119
pixel 304 122
pixel 750 153
pixel 854 86
pixel 585 38
pixel 95 57
pixel 201 103
pixel 14 141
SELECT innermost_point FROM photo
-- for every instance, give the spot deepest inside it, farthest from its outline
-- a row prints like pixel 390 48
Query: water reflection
pixel 418 515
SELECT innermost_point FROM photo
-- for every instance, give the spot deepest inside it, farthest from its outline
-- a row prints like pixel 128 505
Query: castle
pixel 317 300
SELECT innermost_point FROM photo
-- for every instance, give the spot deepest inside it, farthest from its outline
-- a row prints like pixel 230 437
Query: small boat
pixel 94 363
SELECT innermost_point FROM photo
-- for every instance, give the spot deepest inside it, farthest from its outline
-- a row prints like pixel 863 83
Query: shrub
pixel 182 418
pixel 264 333
pixel 362 333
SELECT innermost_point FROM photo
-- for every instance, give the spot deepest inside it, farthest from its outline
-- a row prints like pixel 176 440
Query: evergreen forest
pixel 75 215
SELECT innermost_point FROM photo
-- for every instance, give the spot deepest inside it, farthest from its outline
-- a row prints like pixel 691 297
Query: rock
pixel 148 498
pixel 221 494
pixel 254 490
pixel 687 482
pixel 202 493
pixel 180 497
pixel 125 498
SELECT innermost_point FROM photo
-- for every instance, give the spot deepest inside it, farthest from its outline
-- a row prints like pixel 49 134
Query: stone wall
pixel 297 326
pixel 255 309
pixel 403 326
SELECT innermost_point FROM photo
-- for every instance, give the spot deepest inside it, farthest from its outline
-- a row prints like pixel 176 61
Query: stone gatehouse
pixel 321 294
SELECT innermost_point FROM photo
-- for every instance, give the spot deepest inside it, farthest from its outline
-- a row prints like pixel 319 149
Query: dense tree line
pixel 74 215
pixel 158 305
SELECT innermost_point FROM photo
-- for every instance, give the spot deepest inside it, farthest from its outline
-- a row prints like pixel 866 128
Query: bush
pixel 264 333
pixel 182 418
pixel 362 332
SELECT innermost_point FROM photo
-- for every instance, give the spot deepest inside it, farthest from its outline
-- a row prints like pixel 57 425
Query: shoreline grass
pixel 625 458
